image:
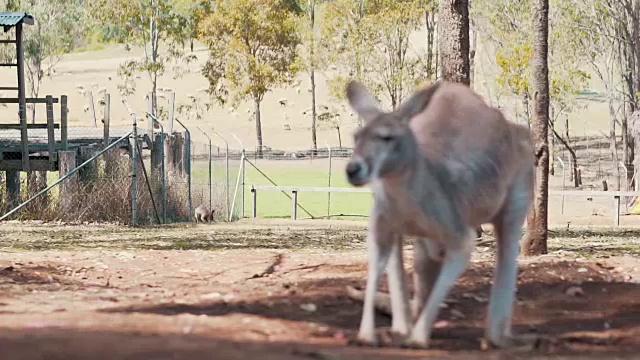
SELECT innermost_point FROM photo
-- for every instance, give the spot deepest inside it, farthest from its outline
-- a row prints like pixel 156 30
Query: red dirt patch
pixel 194 304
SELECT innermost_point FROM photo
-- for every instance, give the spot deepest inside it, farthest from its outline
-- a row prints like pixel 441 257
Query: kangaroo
pixel 439 166
pixel 203 213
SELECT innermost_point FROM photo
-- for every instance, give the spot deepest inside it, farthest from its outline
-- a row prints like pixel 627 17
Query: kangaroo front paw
pixel 416 342
pixel 528 342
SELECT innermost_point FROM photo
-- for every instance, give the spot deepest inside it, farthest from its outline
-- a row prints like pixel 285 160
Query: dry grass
pixel 107 197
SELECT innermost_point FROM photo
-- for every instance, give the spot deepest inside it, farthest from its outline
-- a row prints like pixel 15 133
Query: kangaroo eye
pixel 385 138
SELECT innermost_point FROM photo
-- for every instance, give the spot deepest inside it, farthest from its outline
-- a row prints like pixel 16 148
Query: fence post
pixel 329 193
pixel 106 119
pixel 67 162
pixel 616 210
pixel 93 110
pixel 254 211
pixel 13 187
pixel 134 170
pixel 89 172
pixel 51 137
pixel 63 123
pixel 227 195
pixel 563 183
pixel 294 204
pixel 242 168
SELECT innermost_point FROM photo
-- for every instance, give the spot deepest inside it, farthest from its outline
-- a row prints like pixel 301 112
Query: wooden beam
pixel 16 165
pixel 106 120
pixel 8 65
pixel 13 187
pixel 27 100
pixel 51 135
pixel 22 105
pixel 63 122
pixel 9 88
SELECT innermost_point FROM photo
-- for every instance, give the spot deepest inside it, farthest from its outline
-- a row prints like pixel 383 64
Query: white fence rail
pixel 294 190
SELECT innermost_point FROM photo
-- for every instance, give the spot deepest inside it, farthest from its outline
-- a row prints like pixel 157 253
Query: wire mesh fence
pixel 176 174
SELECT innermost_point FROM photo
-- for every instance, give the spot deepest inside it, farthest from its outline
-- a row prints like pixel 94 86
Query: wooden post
pixel 616 210
pixel 13 188
pixel 254 211
pixel 149 120
pixel 156 158
pixel 177 145
pixel 294 205
pixel 51 136
pixel 186 153
pixel 67 162
pixel 172 113
pixel 22 102
pixel 106 119
pixel 63 122
pixel 90 171
pixel 93 110
pixel 169 163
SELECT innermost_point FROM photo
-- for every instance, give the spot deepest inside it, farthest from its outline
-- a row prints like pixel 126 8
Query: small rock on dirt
pixel 309 307
pixel 574 291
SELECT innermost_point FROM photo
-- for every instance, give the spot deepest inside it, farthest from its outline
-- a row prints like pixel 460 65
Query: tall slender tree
pixel 535 243
pixel 453 17
pixel 453 20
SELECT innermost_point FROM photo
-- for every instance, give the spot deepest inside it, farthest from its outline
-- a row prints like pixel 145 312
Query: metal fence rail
pixel 294 190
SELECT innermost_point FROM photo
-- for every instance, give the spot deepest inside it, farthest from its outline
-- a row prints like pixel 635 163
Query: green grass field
pixel 272 204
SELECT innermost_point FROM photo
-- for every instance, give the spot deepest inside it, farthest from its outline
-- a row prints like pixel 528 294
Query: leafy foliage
pixel 507 24
pixel 252 48
pixel 58 29
pixel 372 43
pixel 148 24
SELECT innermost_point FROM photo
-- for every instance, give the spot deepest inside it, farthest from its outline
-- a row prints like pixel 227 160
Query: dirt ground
pixel 276 290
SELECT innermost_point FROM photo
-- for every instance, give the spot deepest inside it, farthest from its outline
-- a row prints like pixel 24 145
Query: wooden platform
pixel 39 152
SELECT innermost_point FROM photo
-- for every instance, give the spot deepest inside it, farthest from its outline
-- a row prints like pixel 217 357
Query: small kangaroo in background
pixel 203 213
pixel 439 166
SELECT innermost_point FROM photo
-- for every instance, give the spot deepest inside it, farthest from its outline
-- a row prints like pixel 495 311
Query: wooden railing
pixel 294 190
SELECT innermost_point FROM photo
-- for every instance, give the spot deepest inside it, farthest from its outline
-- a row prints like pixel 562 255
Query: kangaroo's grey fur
pixel 440 165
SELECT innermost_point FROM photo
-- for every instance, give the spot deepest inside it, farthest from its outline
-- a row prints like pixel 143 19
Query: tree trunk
pixel 613 143
pixel 453 19
pixel 256 103
pixel 313 79
pixel 430 18
pixel 552 149
pixel 535 242
pixel 454 43
pixel 339 137
pixel 472 55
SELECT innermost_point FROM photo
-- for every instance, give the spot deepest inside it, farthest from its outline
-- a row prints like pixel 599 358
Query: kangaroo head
pixel 385 145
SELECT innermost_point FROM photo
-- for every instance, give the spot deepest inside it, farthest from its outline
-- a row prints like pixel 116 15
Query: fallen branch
pixel 271 269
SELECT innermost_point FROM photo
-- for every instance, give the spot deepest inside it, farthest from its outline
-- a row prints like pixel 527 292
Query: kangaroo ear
pixel 417 102
pixel 361 100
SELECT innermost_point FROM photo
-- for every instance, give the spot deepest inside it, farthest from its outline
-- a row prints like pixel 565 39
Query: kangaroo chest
pixel 417 214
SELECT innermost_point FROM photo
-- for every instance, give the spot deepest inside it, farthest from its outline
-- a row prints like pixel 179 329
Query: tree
pixel 147 24
pixel 191 13
pixel 454 40
pixel 312 58
pixel 535 242
pixel 508 25
pixel 59 26
pixel 370 41
pixel 252 49
pixel 454 45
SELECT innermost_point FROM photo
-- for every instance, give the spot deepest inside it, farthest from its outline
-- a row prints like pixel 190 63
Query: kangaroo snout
pixel 357 172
